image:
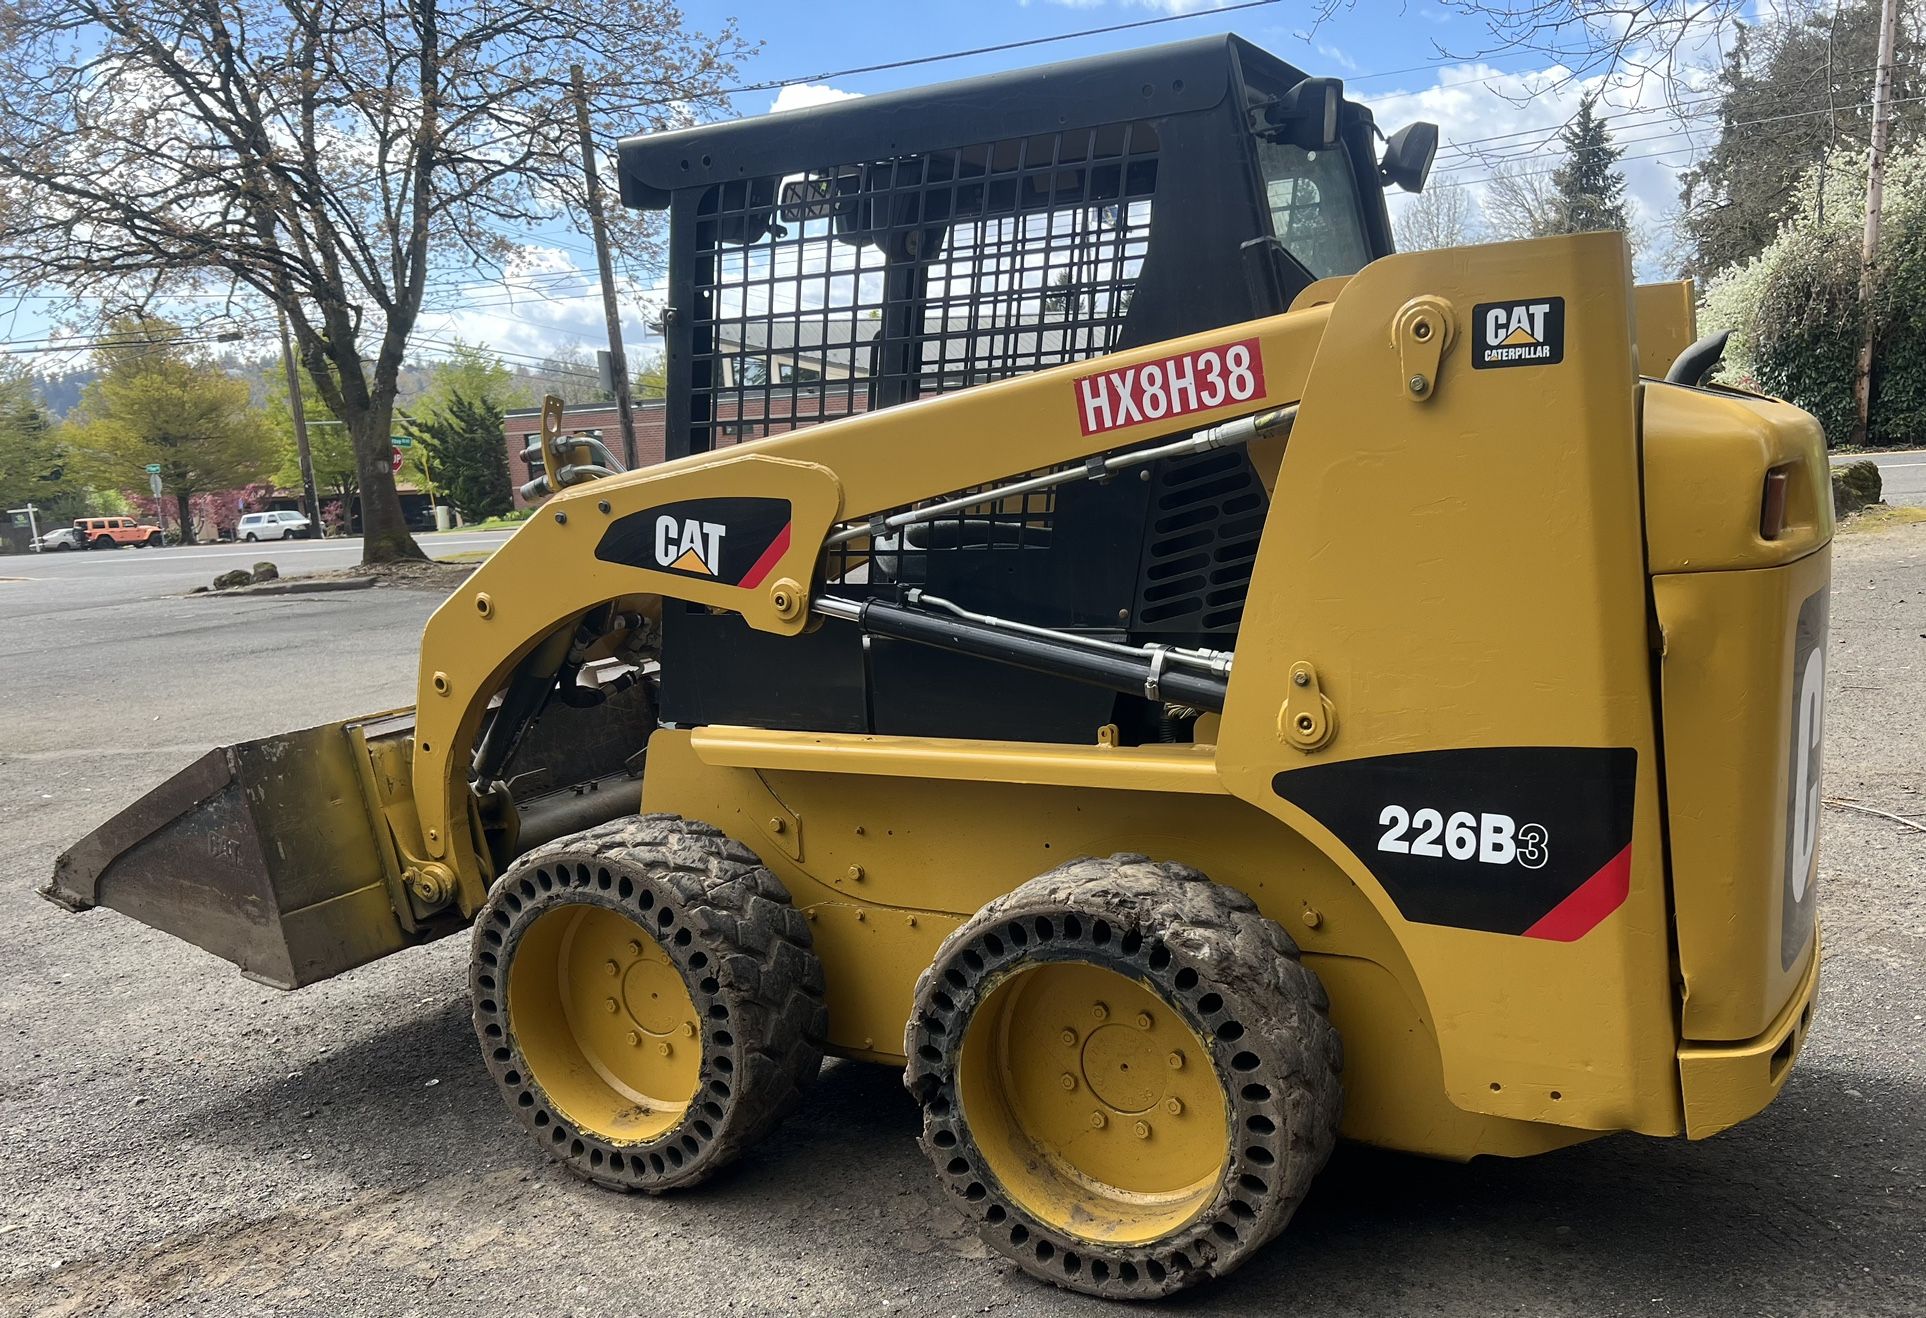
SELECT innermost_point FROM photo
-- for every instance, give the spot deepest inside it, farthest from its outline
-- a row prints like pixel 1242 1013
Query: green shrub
pixel 1795 313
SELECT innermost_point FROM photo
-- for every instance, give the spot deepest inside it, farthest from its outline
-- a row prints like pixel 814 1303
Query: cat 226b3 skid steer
pixel 1115 641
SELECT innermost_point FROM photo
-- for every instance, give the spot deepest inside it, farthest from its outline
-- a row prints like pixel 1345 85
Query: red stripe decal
pixel 764 565
pixel 1595 898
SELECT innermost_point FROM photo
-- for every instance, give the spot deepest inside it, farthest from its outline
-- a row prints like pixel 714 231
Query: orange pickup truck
pixel 113 532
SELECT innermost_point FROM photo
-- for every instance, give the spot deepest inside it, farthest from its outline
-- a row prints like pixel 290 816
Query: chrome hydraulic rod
pixel 1228 434
pixel 1210 661
pixel 1142 673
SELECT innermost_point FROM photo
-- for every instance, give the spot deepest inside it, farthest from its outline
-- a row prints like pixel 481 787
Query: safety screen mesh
pixel 859 286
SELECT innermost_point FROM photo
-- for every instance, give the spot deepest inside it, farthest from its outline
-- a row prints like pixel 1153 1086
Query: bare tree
pixel 1591 38
pixel 1443 216
pixel 1520 201
pixel 342 160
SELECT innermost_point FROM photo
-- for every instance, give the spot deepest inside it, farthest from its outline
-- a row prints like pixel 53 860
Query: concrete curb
pixel 295 586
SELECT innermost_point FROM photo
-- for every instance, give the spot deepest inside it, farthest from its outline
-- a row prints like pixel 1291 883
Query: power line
pixel 981 50
pixel 1647 155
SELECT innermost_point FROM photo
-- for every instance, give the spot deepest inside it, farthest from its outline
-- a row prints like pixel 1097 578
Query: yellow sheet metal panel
pixel 892 859
pixel 1462 565
pixel 1724 1084
pixel 644 532
pixel 1667 320
pixel 1124 768
pixel 1741 720
pixel 1707 455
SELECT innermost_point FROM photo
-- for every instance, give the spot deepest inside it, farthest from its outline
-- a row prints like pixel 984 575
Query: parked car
pixel 284 524
pixel 60 538
pixel 113 532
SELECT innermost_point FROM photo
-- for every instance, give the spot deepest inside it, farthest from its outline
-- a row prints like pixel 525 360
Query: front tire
pixel 103 542
pixel 1128 1078
pixel 647 999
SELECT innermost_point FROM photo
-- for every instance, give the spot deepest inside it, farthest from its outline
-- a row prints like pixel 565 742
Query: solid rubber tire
pixel 1235 976
pixel 746 961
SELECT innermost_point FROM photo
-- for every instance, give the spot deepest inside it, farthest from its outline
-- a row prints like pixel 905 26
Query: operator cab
pixel 851 257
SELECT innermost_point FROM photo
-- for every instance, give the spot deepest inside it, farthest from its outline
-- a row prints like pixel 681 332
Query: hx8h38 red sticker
pixel 1172 387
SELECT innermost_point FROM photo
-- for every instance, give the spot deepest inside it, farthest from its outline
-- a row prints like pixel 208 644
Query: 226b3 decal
pixel 1534 841
pixel 1487 838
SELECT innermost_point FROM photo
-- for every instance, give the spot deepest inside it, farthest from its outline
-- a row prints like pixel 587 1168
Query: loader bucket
pixel 264 853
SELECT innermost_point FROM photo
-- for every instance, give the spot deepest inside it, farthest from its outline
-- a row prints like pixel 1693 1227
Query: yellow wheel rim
pixel 1094 1102
pixel 605 1023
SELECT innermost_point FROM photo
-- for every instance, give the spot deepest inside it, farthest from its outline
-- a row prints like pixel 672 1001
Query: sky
pixel 1407 59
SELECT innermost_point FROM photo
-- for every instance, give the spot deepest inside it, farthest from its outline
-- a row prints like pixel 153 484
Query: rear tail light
pixel 1772 508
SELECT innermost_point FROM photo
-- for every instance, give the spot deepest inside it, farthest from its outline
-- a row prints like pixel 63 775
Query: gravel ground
pixel 176 1139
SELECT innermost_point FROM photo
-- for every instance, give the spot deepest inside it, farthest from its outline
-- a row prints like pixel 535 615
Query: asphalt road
pixel 176 1139
pixel 1902 474
pixel 89 578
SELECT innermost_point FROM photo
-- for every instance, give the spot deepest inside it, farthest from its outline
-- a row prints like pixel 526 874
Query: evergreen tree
pixel 465 446
pixel 1589 188
pixel 1791 92
pixel 33 465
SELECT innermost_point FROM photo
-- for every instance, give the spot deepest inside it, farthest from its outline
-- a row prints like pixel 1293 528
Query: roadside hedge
pixel 1794 309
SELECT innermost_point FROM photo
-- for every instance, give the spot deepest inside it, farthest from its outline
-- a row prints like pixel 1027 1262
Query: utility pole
pixel 618 360
pixel 316 526
pixel 1875 201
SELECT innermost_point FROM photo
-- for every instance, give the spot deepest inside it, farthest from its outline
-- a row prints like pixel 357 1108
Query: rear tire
pixel 1121 1182
pixel 103 542
pixel 251 538
pixel 647 999
pixel 153 540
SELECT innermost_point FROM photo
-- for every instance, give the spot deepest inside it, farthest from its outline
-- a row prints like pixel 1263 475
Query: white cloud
pixel 801 95
pixel 551 298
pixel 1337 57
pixel 1490 119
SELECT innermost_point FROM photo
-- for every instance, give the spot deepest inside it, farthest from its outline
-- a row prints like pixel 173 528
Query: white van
pixel 282 525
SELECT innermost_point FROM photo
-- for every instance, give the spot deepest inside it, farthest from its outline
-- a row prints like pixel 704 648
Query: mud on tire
pixel 742 952
pixel 1233 976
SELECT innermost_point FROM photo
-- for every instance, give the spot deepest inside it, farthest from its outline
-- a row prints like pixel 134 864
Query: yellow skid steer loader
pixel 1113 640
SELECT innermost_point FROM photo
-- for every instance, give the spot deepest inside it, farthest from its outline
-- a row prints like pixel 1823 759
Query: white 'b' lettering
pixel 1495 844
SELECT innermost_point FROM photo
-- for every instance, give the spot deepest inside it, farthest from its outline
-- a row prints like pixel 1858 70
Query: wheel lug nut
pixel 1067 1080
pixel 1176 1061
pixel 1097 1121
pixel 1100 1011
pixel 1069 1038
pixel 612 968
pixel 1143 1020
pixel 1173 1106
pixel 663 1047
pixel 688 1029
pixel 1142 1129
pixel 635 1040
pixel 635 947
pixel 612 1005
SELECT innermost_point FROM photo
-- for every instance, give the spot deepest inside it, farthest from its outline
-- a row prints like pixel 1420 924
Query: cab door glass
pixel 1313 201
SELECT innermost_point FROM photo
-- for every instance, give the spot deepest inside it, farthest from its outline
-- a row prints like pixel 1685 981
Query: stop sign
pixel 397 464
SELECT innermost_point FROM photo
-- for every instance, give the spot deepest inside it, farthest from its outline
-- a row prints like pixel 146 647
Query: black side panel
pixel 722 671
pixel 924 692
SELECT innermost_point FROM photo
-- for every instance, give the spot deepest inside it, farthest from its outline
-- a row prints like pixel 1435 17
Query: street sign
pixel 397 453
pixel 153 483
pixel 153 469
pixel 403 441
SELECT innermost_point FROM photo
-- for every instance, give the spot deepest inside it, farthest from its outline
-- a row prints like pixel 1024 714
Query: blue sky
pixel 1408 60
pixel 1411 60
